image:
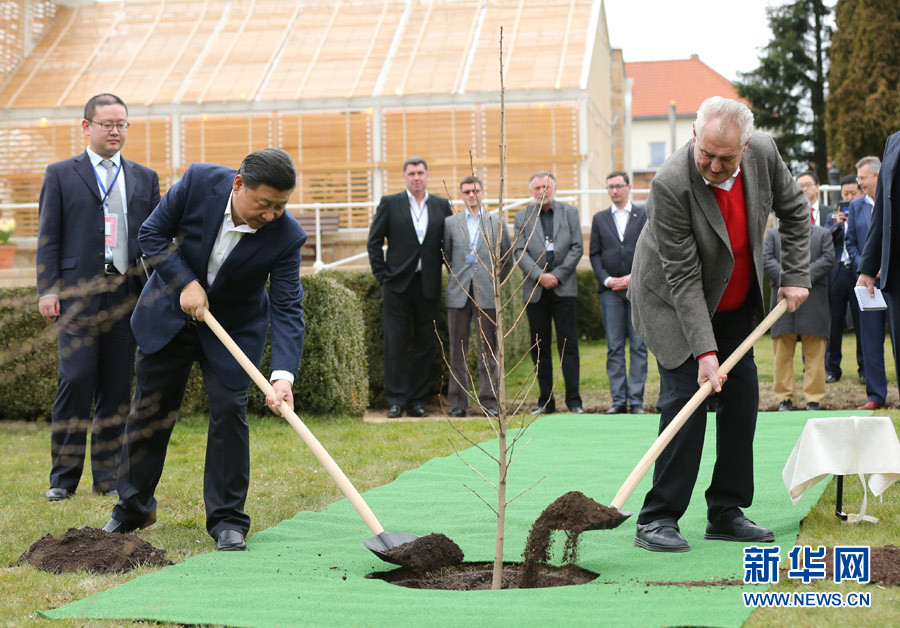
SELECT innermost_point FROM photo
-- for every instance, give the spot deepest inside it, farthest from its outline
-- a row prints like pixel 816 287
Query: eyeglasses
pixel 618 186
pixel 108 126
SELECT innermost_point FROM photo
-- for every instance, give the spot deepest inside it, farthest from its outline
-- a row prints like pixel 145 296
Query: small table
pixel 842 446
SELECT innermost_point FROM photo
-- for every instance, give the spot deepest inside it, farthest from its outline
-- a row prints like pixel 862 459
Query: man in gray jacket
pixel 809 324
pixel 548 246
pixel 695 290
pixel 470 236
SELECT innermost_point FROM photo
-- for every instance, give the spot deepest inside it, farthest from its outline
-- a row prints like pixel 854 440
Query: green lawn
pixel 286 479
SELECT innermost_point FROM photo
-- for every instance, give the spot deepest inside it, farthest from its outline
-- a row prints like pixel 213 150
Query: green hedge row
pixel 332 378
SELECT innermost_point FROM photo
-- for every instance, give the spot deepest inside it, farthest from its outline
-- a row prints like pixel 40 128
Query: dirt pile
pixel 427 553
pixel 91 549
pixel 478 577
pixel 573 513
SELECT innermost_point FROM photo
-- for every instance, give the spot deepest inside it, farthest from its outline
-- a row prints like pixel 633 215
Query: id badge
pixel 110 230
pixel 470 258
pixel 549 245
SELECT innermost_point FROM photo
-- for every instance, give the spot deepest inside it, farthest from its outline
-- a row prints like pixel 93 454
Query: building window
pixel 657 153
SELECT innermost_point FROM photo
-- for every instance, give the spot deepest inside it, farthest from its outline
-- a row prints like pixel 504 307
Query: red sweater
pixel 734 210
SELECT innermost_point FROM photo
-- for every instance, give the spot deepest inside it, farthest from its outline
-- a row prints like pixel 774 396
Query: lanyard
pixel 473 241
pixel 103 189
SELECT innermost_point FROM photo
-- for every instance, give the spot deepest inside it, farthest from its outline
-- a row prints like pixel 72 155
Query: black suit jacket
pixel 609 256
pixel 877 252
pixel 71 229
pixel 393 221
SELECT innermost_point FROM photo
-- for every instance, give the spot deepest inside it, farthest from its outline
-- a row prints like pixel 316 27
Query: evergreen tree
pixel 787 90
pixel 864 100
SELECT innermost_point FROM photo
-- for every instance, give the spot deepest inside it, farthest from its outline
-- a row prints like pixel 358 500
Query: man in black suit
pixel 91 207
pixel 410 277
pixel 222 242
pixel 840 288
pixel 876 261
pixel 614 233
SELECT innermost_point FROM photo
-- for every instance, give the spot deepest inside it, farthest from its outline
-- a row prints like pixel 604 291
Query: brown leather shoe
pixel 871 405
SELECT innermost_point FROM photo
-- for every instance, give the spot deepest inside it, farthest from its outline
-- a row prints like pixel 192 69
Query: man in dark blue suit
pixel 840 288
pixel 614 234
pixel 871 323
pixel 91 207
pixel 876 261
pixel 216 239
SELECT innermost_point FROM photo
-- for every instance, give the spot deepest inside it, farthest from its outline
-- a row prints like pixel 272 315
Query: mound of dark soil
pixel 478 576
pixel 90 549
pixel 573 513
pixel 427 553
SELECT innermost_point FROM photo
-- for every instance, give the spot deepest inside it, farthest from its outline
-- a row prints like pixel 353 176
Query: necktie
pixel 120 251
pixel 812 215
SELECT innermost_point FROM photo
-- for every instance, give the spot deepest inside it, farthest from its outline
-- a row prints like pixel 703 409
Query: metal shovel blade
pixel 613 522
pixel 379 545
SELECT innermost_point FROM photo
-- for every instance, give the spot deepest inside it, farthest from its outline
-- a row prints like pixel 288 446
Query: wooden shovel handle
pixel 690 407
pixel 347 488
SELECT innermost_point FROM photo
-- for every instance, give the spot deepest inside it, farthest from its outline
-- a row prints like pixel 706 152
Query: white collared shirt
pixel 727 185
pixel 102 173
pixel 473 226
pixel 870 200
pixel 620 216
pixel 814 212
pixel 419 214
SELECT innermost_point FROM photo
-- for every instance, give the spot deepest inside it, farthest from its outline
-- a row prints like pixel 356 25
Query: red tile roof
pixel 686 81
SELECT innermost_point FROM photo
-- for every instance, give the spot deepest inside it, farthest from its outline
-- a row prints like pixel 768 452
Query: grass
pixel 285 479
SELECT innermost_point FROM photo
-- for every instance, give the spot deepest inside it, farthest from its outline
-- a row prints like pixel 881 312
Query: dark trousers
pixel 407 370
pixel 871 335
pixel 459 321
pixel 840 294
pixel 893 316
pixel 541 314
pixel 96 363
pixel 677 467
pixel 161 381
pixel 624 386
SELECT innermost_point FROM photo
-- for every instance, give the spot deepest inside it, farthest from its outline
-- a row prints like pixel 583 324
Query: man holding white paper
pixel 876 260
pixel 871 322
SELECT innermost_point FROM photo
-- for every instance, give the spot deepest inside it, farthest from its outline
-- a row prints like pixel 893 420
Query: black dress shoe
pixel 394 412
pixel 862 379
pixel 230 541
pixel 831 379
pixel 110 492
pixel 576 409
pixel 785 406
pixel 661 536
pixel 57 494
pixel 812 405
pixel 457 412
pixel 417 410
pixel 547 409
pixel 491 412
pixel 120 527
pixel 637 410
pixel 739 529
pixel 617 410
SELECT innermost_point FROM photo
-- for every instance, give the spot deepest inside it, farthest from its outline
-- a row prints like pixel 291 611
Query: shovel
pixel 382 541
pixel 680 419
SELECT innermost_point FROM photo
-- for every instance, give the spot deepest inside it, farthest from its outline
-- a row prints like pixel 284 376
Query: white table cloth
pixel 850 445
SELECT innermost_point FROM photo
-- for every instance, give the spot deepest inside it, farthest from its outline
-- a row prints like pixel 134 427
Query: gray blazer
pixel 474 278
pixel 683 258
pixel 528 249
pixel 814 316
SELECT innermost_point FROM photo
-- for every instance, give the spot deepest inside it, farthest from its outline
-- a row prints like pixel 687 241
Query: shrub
pixel 588 313
pixel 27 357
pixel 332 376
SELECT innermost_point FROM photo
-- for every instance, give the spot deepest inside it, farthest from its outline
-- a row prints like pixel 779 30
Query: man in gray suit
pixel 809 324
pixel 548 246
pixel 695 290
pixel 470 237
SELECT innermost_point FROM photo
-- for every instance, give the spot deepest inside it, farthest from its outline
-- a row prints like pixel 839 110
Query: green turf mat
pixel 310 570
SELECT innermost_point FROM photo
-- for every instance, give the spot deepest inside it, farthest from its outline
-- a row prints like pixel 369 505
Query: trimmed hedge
pixel 332 378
